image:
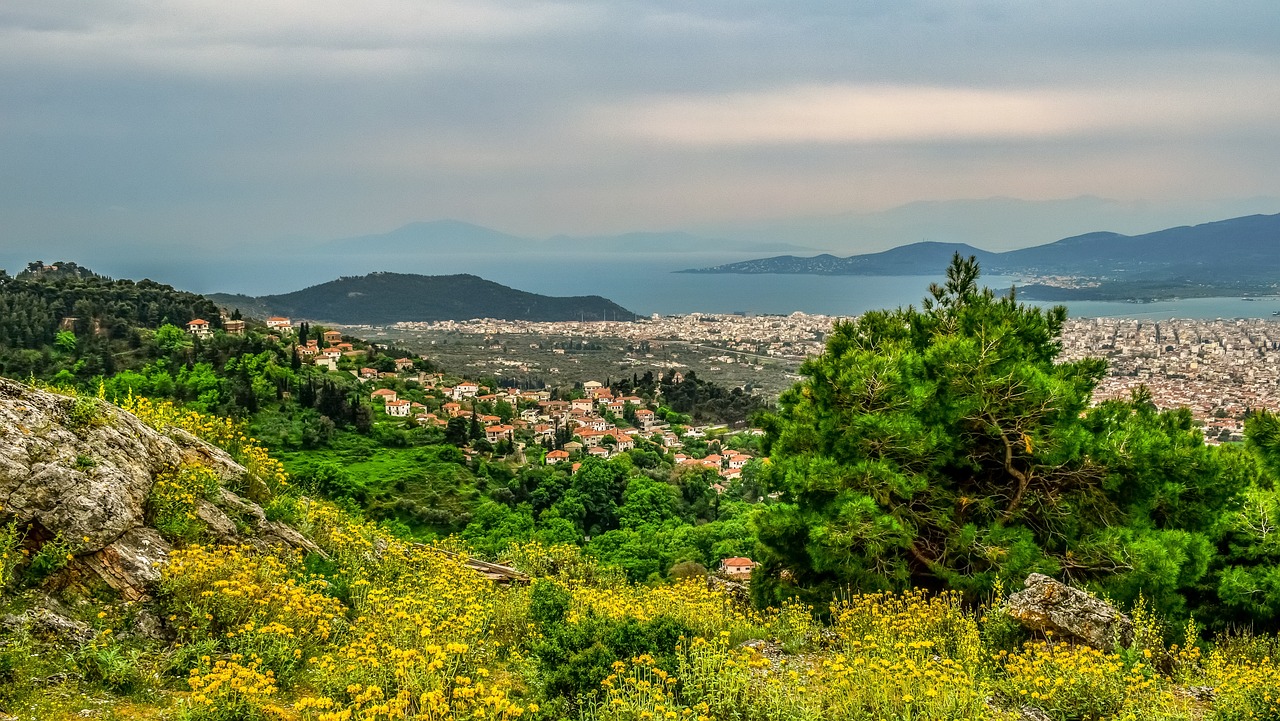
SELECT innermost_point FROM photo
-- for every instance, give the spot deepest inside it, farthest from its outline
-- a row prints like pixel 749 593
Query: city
pixel 1219 369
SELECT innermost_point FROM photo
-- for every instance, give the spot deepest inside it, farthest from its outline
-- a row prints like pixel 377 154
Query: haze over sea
pixel 644 283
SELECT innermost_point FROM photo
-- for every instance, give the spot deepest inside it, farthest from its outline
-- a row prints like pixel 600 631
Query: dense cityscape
pixel 1218 368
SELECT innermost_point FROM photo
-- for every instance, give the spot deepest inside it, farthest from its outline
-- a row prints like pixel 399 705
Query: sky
pixel 189 126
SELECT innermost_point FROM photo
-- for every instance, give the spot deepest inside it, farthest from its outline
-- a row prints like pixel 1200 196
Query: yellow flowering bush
pixel 690 602
pixel 562 561
pixel 422 634
pixel 641 691
pixel 253 604
pixel 912 624
pixel 227 690
pixel 175 495
pixel 1066 681
pixel 1245 688
pixel 717 681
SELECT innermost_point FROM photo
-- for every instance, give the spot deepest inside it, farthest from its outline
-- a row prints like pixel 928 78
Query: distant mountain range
pixel 1239 255
pixel 383 298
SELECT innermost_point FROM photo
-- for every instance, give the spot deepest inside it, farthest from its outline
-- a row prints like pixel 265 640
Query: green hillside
pixel 65 317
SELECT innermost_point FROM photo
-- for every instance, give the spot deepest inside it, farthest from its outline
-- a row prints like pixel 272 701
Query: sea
pixel 643 283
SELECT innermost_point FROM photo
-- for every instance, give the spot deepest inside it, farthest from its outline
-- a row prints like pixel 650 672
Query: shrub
pixel 175 496
pixel 230 691
pixel 10 552
pixel 548 603
pixel 85 413
pixel 105 662
pixel 53 556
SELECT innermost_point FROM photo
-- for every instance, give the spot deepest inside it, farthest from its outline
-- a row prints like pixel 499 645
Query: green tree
pixel 947 447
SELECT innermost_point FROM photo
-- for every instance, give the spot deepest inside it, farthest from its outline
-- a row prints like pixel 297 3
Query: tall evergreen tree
pixel 947 447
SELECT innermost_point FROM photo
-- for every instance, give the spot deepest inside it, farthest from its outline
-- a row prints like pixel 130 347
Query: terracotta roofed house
pixel 737 567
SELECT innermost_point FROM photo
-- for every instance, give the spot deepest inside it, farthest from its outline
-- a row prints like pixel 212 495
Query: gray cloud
pixel 211 123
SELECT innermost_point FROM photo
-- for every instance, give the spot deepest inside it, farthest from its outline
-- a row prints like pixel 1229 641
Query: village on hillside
pixel 539 425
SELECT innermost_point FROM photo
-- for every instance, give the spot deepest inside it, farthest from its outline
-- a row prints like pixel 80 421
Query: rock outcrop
pixel 1049 605
pixel 81 470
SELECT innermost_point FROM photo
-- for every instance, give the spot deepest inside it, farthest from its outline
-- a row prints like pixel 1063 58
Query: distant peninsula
pixel 383 298
pixel 1238 256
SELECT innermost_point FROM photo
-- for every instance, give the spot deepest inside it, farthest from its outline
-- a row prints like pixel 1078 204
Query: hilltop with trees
pixel 384 298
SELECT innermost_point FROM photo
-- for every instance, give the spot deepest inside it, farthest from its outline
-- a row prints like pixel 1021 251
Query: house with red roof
pixel 737 567
pixel 386 394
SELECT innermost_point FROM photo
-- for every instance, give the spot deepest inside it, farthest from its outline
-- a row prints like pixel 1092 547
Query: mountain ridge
pixel 1231 255
pixel 386 297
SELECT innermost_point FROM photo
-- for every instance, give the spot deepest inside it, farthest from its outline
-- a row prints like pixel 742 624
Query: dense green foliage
pixel 63 317
pixel 697 400
pixel 947 447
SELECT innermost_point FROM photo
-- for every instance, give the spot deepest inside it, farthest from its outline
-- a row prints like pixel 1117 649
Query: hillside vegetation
pixel 63 317
pixel 929 461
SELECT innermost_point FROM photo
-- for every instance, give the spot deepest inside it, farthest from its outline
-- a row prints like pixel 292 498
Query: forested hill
pixel 391 297
pixel 66 310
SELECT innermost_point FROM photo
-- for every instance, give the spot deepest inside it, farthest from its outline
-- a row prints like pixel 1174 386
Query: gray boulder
pixel 1047 605
pixel 47 624
pixel 82 469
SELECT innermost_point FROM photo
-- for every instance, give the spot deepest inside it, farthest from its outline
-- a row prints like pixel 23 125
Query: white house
pixel 737 567
pixel 199 326
pixel 399 409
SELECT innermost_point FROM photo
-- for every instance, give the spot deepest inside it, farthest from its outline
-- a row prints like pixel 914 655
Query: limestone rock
pixel 1049 605
pixel 49 625
pixel 82 469
pixel 83 480
pixel 737 592
pixel 131 564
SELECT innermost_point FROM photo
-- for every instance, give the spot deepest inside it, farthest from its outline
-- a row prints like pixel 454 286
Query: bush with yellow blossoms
pixel 1245 675
pixel 231 690
pixel 250 603
pixel 175 496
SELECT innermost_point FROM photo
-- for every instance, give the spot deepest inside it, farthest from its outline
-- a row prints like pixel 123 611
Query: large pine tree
pixel 947 447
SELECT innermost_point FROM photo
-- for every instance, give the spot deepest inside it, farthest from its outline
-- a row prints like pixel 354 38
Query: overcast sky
pixel 225 121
